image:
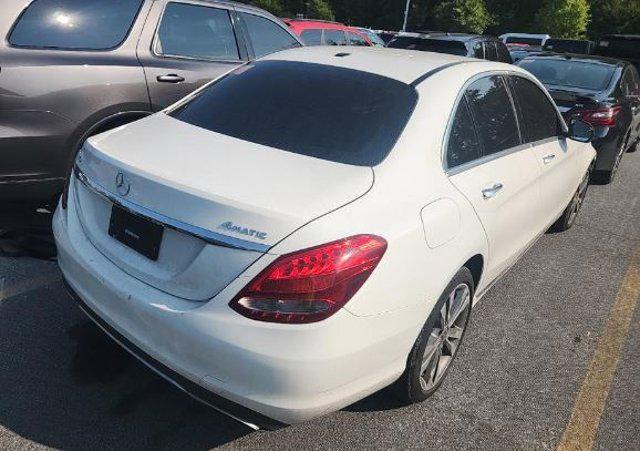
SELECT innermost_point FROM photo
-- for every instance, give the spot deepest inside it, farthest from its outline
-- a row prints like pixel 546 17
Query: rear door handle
pixel 548 158
pixel 170 78
pixel 490 192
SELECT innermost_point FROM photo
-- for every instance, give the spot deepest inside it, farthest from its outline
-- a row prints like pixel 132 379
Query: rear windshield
pixel 429 45
pixel 573 74
pixel 619 48
pixel 568 46
pixel 75 24
pixel 523 40
pixel 332 113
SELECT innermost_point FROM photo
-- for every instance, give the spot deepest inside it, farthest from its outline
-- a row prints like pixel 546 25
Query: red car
pixel 320 32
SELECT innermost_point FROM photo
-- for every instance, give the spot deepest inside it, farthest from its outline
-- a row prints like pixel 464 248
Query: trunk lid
pixel 569 102
pixel 246 195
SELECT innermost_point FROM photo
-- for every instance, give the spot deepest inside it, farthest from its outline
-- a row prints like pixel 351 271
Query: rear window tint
pixel 75 24
pixel 593 76
pixel 429 45
pixel 332 113
pixel 619 48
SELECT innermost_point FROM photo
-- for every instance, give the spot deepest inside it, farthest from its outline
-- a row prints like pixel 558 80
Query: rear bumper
pixel 263 374
pixel 249 417
pixel 607 149
pixel 27 189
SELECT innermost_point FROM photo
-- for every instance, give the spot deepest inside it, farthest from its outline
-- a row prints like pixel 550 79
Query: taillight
pixel 602 117
pixel 311 284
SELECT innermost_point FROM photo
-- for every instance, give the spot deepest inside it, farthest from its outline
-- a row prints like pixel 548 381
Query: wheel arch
pixel 476 266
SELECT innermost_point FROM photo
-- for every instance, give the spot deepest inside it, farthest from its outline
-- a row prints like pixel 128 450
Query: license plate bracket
pixel 136 232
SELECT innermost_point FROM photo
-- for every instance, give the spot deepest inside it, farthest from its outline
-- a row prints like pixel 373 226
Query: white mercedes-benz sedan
pixel 316 225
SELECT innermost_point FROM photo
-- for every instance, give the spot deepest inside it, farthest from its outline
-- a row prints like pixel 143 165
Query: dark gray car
pixel 73 68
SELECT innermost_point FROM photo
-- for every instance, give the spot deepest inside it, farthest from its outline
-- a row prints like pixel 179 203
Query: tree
pixel 564 18
pixel 462 16
pixel 614 16
pixel 320 9
pixel 273 6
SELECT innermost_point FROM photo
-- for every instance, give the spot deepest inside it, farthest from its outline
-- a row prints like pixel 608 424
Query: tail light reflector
pixel 602 117
pixel 312 284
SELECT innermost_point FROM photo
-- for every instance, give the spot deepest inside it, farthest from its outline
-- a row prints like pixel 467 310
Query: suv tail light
pixel 602 117
pixel 311 284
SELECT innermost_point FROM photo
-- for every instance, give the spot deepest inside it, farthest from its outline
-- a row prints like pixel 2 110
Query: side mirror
pixel 580 131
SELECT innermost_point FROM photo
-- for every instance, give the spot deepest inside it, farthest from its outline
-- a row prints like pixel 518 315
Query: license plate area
pixel 138 233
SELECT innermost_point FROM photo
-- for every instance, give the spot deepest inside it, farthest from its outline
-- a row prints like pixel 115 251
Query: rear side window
pixel 75 24
pixel 199 32
pixel 326 112
pixel 539 117
pixel 490 51
pixel 267 36
pixel 493 114
pixel 334 37
pixel 463 146
pixel 312 37
pixel 429 45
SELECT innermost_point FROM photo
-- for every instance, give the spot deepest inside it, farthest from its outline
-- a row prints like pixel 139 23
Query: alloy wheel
pixel 445 337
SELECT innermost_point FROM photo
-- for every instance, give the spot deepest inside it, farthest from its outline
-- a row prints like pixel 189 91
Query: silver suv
pixel 73 68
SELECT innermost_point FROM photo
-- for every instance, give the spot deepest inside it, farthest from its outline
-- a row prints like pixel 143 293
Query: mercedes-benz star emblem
pixel 122 184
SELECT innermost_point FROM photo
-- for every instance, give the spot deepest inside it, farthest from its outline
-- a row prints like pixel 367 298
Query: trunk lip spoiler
pixel 206 235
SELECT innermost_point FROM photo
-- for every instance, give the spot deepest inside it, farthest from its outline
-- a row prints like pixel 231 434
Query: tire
pixel 570 213
pixel 432 355
pixel 634 147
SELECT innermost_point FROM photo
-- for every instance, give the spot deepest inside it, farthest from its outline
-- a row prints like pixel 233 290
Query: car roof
pixel 578 57
pixel 406 66
pixel 443 36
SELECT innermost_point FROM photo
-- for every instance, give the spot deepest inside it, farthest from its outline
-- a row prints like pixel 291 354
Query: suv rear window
pixel 75 24
pixel 573 74
pixel 327 112
pixel 429 45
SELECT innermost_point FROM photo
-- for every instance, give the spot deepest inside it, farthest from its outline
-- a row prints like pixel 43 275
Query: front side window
pixel 356 40
pixel 75 24
pixel 267 36
pixel 463 146
pixel 199 32
pixel 334 37
pixel 312 37
pixel 539 116
pixel 327 112
pixel 493 114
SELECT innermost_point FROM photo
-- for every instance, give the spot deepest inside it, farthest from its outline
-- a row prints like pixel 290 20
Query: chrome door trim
pixel 206 235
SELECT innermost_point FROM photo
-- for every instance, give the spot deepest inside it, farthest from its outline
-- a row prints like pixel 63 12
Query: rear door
pixel 541 129
pixel 487 163
pixel 631 91
pixel 185 45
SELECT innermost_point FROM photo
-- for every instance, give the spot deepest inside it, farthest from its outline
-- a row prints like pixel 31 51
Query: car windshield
pixel 523 40
pixel 327 112
pixel 429 45
pixel 592 76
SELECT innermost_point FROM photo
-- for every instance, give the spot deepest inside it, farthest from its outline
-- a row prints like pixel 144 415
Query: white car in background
pixel 316 225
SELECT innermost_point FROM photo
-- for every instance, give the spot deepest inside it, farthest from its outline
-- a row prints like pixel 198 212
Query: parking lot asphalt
pixel 533 365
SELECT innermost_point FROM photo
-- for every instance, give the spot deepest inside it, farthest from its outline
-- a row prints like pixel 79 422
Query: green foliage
pixel 319 9
pixel 462 16
pixel 614 16
pixel 564 18
pixel 273 6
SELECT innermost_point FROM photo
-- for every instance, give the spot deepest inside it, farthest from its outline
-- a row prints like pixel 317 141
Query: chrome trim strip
pixel 210 237
pixel 486 159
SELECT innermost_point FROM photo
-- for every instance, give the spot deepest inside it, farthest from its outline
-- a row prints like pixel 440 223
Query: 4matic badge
pixel 231 227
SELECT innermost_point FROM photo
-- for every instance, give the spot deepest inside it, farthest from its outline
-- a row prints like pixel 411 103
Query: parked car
pixel 71 69
pixel 386 35
pixel 622 46
pixel 601 91
pixel 576 46
pixel 375 39
pixel 471 45
pixel 296 236
pixel 519 51
pixel 530 39
pixel 321 32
